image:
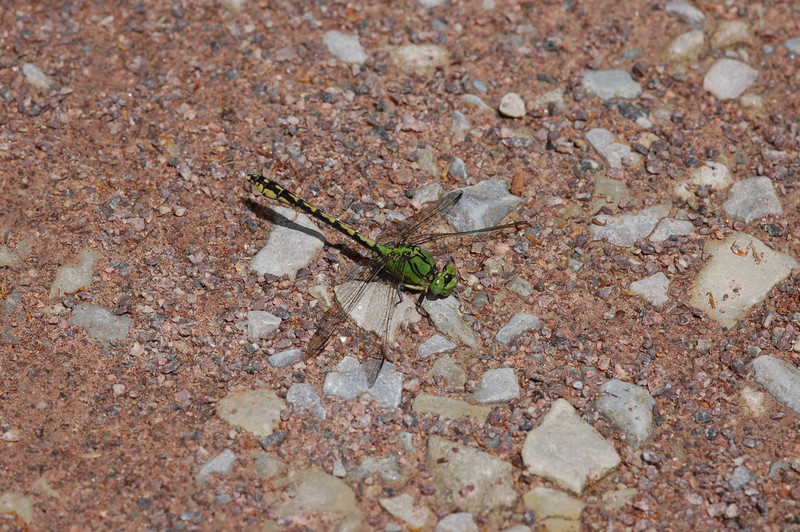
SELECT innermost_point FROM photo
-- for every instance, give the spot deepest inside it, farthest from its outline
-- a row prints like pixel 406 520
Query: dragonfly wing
pixel 372 368
pixel 346 300
pixel 406 230
pixel 393 298
pixel 444 242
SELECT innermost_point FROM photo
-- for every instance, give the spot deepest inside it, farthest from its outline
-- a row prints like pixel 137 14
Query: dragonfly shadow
pixel 270 214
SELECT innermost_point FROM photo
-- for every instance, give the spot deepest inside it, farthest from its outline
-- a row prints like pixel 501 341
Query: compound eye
pixel 437 285
pixel 449 279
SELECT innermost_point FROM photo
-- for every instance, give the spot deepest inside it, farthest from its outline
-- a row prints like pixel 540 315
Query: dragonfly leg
pixel 419 301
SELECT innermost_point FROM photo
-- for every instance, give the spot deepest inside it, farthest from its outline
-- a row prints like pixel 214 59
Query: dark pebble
pixel 773 230
pixel 752 443
pixel 702 416
pixel 738 366
pixel 272 440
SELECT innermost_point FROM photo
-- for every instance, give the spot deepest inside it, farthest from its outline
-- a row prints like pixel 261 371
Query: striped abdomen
pixel 273 190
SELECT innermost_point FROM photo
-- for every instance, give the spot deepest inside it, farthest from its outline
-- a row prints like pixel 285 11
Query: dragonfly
pixel 398 258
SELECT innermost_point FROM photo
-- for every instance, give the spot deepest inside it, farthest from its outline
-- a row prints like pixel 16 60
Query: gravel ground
pixel 627 361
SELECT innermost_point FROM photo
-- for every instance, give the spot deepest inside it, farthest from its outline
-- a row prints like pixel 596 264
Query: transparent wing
pixel 368 297
pixel 444 242
pixel 393 298
pixel 406 230
pixel 358 278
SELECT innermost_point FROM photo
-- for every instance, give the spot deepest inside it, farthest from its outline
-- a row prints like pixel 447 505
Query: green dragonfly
pixel 397 259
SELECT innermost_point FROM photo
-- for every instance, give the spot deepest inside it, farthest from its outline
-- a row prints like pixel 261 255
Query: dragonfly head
pixel 444 283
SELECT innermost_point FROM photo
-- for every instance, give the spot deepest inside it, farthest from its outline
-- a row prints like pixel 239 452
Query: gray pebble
pixel 512 106
pixel 453 374
pixel 428 193
pixel 349 381
pixel 476 101
pixel 565 449
pixel 780 378
pixel 520 286
pixel 668 227
pixel 305 397
pixel 793 45
pixel 574 264
pixel 387 467
pixel 266 466
pixel 338 469
pixel 741 272
pixel 468 479
pixel 460 124
pixel 653 289
pixel 519 324
pixel 483 205
pixel 685 47
pixel 607 192
pixel 495 265
pixel 71 278
pixel 289 247
pixel 554 97
pixel 687 11
pixel 741 476
pixel 261 323
pixel 223 499
pixel 730 33
pixel 407 441
pixel 257 411
pixel 322 295
pixel 458 168
pixel 435 345
pixel 480 86
pixel 316 492
pixel 517 528
pixel 549 503
pixel 497 386
pixel 35 77
pixel 458 522
pixel 285 358
pixel 344 46
pixel 426 160
pixel 221 463
pixel 752 199
pixel 430 4
pixel 608 84
pixel 100 323
pixel 612 151
pixel 449 407
pixel 629 407
pixel 728 78
pixel 9 257
pixel 446 318
pixel 420 57
pixel 407 508
pixel 626 229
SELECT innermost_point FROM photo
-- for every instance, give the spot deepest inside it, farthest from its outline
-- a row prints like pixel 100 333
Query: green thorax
pixel 415 268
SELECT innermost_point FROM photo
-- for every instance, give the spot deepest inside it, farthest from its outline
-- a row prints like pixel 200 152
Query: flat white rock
pixel 653 289
pixel 289 247
pixel 568 451
pixel 740 274
pixel 344 46
pixel 728 78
